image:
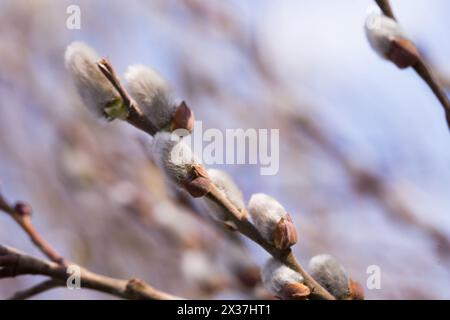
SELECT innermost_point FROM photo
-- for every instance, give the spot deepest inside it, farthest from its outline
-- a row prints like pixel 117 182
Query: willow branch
pixel 36 289
pixel 21 213
pixel 422 69
pixel 135 116
pixel 15 263
pixel 244 226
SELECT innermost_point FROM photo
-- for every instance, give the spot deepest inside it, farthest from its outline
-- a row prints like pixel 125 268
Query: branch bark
pixel 14 263
pixel 422 69
pixel 21 213
pixel 244 226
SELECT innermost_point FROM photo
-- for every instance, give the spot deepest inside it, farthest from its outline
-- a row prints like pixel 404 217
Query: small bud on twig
pixel 285 233
pixel 356 290
pixel 283 282
pixel 330 274
pixel 97 93
pixel 199 183
pixel 178 162
pixel 183 118
pixel 226 185
pixel 152 94
pixel 389 41
pixel 272 221
pixel 23 209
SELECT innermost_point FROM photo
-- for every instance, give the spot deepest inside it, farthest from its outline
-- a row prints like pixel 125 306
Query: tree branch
pixel 135 115
pixel 422 69
pixel 36 289
pixel 15 263
pixel 21 213
pixel 244 226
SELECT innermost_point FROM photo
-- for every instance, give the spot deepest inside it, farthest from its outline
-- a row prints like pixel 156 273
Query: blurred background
pixel 364 148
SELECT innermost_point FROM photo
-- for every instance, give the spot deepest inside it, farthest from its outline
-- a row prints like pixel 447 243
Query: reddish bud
pixel 183 118
pixel 285 233
pixel 23 209
pixel 356 290
pixel 403 53
pixel 295 291
pixel 199 184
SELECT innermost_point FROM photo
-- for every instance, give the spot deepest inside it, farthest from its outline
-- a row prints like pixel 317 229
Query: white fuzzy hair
pixel 173 156
pixel 266 212
pixel 95 90
pixel 330 274
pixel 224 183
pixel 276 275
pixel 152 93
pixel 380 31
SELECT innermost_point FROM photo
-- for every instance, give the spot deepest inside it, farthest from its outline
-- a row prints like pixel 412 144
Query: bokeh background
pixel 364 148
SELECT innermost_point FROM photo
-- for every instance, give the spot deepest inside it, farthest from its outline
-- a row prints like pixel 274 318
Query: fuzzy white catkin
pixel 152 93
pixel 275 276
pixel 266 212
pixel 95 90
pixel 380 31
pixel 173 156
pixel 330 274
pixel 224 183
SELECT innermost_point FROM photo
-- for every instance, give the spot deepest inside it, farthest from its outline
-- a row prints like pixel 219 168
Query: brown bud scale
pixel 285 233
pixel 183 118
pixel 295 291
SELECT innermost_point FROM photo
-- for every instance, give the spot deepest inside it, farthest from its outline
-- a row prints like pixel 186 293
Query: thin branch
pixel 422 69
pixel 135 116
pixel 21 213
pixel 369 183
pixel 385 6
pixel 14 263
pixel 425 73
pixel 244 226
pixel 39 288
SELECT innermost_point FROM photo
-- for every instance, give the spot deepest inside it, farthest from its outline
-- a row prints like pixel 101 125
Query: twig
pixel 21 213
pixel 14 263
pixel 245 226
pixel 36 289
pixel 422 68
pixel 135 116
pixel 425 73
pixel 385 6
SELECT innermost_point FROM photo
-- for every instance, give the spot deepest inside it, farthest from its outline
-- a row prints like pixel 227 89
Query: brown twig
pixel 422 69
pixel 39 288
pixel 15 263
pixel 21 213
pixel 244 225
pixel 135 116
pixel 385 6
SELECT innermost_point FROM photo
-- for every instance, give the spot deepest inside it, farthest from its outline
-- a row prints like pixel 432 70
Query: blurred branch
pixel 15 263
pixel 36 289
pixel 21 213
pixel 364 180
